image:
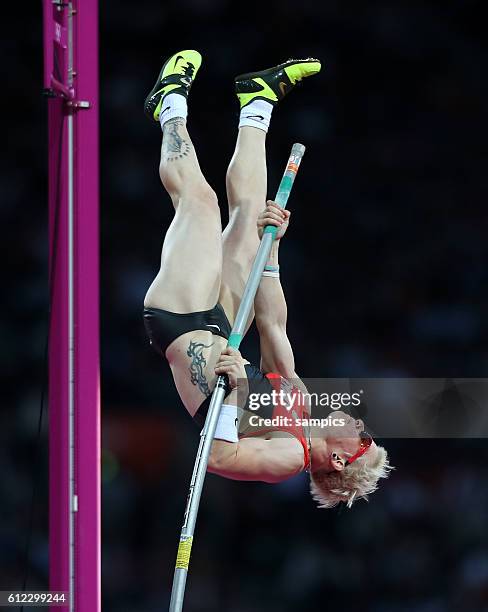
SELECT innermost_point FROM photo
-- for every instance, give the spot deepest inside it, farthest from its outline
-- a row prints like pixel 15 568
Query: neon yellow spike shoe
pixel 273 84
pixel 176 76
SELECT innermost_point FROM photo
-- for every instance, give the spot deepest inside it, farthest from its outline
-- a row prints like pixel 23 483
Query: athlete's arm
pixel 254 458
pixel 257 459
pixel 270 304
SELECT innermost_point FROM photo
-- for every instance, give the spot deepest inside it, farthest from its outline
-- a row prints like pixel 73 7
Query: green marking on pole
pixel 234 341
pixel 271 229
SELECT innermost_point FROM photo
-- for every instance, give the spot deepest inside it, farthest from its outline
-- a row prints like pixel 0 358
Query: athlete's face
pixel 343 439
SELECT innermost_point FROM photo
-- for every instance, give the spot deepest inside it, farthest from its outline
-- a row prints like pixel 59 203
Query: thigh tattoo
pixel 197 366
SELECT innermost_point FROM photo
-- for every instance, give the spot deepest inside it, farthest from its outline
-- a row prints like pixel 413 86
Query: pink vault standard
pixel 71 82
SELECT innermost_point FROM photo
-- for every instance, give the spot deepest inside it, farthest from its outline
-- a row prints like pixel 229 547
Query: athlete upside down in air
pixel 191 304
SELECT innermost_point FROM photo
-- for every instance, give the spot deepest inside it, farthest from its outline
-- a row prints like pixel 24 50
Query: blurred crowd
pixel 384 269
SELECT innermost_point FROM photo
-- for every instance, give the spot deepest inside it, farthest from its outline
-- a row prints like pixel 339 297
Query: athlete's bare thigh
pixel 192 358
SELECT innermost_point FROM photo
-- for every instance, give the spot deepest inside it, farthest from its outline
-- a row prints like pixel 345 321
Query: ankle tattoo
pixel 174 146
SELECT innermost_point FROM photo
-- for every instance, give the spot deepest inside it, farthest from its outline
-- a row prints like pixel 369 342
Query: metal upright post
pixel 71 81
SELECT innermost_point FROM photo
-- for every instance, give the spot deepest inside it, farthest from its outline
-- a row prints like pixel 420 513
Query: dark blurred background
pixel 384 270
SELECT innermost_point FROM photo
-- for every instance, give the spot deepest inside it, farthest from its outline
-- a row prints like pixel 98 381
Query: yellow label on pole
pixel 184 551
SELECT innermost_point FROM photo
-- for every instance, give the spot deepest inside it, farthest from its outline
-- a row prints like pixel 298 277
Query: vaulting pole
pixel 207 434
pixel 71 82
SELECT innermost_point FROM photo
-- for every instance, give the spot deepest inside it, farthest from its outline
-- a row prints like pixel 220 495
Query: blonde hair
pixel 356 481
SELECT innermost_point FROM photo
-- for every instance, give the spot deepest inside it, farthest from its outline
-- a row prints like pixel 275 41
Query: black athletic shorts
pixel 163 326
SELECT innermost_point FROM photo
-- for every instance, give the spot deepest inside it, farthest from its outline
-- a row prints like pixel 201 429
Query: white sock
pixel 174 105
pixel 256 114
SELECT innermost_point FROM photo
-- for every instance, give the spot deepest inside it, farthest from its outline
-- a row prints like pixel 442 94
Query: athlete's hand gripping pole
pixel 207 434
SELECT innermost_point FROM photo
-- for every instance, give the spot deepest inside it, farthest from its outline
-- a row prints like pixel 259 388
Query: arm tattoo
pixel 174 146
pixel 198 363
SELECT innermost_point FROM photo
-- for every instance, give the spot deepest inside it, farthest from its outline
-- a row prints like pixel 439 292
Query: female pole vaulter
pixel 191 304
